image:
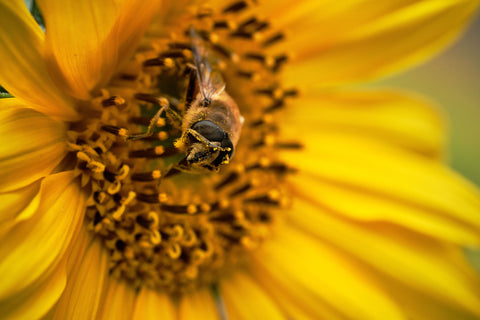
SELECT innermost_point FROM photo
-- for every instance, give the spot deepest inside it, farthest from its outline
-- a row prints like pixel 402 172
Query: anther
pixel 146 176
pixel 122 132
pixel 180 45
pixel 113 101
pixel 279 61
pixel 277 104
pixel 262 26
pixel 224 24
pixel 288 145
pixel 235 7
pixel 241 190
pixel 266 119
pixel 255 56
pixel 148 98
pixel 179 209
pixel 155 152
pixel 128 77
pixel 265 199
pixel 291 93
pixel 242 34
pixel 145 121
pixel 232 177
pixel 148 198
pixel 176 53
pixel 247 22
pixel 250 75
pixel 273 39
pixel 159 62
pixel 226 52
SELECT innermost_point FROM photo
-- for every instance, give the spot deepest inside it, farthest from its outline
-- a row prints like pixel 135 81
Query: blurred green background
pixel 452 79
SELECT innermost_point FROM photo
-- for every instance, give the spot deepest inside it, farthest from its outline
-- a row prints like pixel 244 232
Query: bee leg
pixel 165 106
pixel 174 169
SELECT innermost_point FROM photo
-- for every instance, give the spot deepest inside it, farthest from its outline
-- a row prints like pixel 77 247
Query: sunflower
pixel 125 193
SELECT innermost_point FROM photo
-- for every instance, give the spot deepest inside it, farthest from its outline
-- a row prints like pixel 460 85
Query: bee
pixel 211 123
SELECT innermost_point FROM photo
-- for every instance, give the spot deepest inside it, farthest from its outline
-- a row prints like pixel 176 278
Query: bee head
pixel 212 147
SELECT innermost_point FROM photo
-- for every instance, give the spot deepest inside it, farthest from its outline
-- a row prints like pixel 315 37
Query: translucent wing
pixel 210 81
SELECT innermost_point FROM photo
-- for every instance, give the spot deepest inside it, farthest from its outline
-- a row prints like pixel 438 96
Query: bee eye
pixel 209 130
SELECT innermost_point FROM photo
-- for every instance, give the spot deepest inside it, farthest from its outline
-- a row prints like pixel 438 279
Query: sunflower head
pixel 171 203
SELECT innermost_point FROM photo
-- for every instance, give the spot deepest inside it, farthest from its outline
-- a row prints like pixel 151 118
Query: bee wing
pixel 210 82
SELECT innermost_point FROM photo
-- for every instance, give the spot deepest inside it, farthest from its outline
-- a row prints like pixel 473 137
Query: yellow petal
pixel 31 145
pixel 15 202
pixel 34 301
pixel 87 266
pixel 245 299
pixel 397 118
pixel 339 42
pixel 24 71
pixel 320 275
pixel 198 305
pixel 117 301
pixel 436 271
pixel 32 246
pixel 151 304
pixel 87 40
pixel 386 184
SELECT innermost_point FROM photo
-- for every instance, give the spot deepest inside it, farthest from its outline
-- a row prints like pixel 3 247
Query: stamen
pixel 224 24
pixel 156 152
pixel 159 62
pixel 226 52
pixel 180 209
pixel 122 132
pixel 236 7
pixel 151 99
pixel 113 101
pixel 273 39
pixel 288 145
pixel 146 176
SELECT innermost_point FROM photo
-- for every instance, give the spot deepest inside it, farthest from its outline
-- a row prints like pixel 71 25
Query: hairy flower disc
pixel 176 230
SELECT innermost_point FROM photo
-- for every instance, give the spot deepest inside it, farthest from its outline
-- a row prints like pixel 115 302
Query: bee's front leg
pixel 164 106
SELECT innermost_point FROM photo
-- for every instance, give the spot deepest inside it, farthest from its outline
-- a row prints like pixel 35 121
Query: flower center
pixel 166 224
